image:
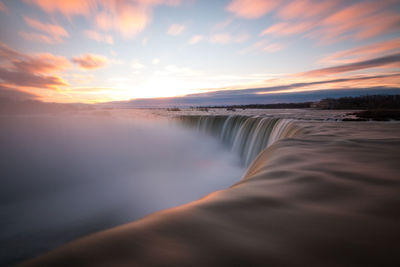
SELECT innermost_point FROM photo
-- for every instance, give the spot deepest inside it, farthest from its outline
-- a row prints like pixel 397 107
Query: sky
pixel 225 51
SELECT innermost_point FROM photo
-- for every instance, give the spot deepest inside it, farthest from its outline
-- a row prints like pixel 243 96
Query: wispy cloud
pixel 227 38
pixel 327 21
pixel 90 61
pixel 366 64
pixel 358 21
pixel 50 33
pixel 99 37
pixel 363 52
pixel 196 39
pixel 3 7
pixel 306 8
pixel 288 28
pixel 251 9
pixel 264 45
pixel 176 29
pixel 126 17
pixel 222 25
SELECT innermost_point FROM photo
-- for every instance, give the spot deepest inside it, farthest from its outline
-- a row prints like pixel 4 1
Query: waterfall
pixel 245 135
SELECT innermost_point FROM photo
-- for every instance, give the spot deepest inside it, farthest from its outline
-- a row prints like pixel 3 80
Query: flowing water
pixel 245 135
pixel 300 188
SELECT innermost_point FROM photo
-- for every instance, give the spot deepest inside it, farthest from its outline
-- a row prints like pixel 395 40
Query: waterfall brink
pixel 247 136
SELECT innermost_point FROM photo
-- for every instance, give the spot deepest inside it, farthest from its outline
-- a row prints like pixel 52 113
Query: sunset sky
pixel 104 50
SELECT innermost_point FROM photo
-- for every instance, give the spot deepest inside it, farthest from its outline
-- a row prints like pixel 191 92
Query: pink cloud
pixel 363 53
pixel 264 45
pixel 127 17
pixel 379 62
pixel 288 28
pixel 196 39
pixel 99 37
pixel 222 25
pixel 67 8
pixel 252 9
pixel 359 21
pixel 37 37
pixel 3 7
pixel 52 33
pixel 306 8
pixel 90 61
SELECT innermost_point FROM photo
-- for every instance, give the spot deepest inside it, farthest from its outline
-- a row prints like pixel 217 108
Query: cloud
pixel 99 37
pixel 155 61
pixel 306 8
pixel 15 94
pixel 3 7
pixel 222 25
pixel 288 28
pixel 31 70
pixel 366 64
pixel 196 39
pixel 42 63
pixel 264 45
pixel 26 79
pixel 50 33
pixel 327 21
pixel 363 52
pixel 295 86
pixel 252 9
pixel 126 17
pixel 226 38
pixel 136 65
pixel 176 29
pixel 90 61
pixel 359 21
pixel 67 8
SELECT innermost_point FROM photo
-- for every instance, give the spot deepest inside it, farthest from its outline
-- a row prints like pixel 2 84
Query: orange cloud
pixel 31 70
pixel 252 9
pixel 99 37
pixel 26 79
pixel 127 17
pixel 90 61
pixel 42 63
pixel 54 33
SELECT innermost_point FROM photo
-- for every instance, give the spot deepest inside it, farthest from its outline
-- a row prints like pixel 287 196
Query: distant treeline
pixel 361 102
pixel 265 106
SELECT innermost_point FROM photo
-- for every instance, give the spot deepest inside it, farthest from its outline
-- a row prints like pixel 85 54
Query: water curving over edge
pixel 245 135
